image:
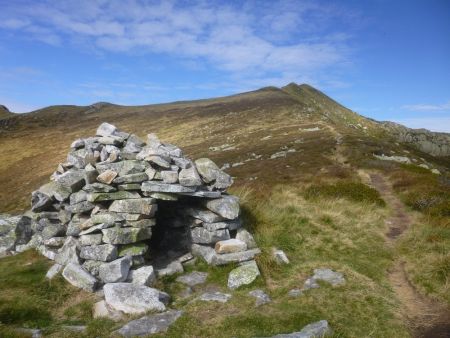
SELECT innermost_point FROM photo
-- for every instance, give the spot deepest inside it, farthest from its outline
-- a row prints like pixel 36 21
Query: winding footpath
pixel 425 317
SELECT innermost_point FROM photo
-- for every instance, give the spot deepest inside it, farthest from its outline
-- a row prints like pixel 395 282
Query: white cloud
pixel 427 107
pixel 278 39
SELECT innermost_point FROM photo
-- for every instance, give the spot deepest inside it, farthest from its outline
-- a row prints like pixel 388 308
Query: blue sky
pixel 389 60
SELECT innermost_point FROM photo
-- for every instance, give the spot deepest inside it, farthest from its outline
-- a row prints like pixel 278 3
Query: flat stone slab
pixel 313 330
pixel 213 258
pixel 148 325
pixel 193 278
pixel 152 186
pixel 132 298
pixel 243 275
pixel 325 275
pixel 227 206
pixel 215 297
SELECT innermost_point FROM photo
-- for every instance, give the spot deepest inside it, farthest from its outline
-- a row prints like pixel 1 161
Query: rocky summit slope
pixel 266 137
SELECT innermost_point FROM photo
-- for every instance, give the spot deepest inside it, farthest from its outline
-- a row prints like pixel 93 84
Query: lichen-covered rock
pixel 79 277
pixel 135 206
pixel 115 271
pixel 202 236
pixel 142 276
pixel 227 206
pixel 133 249
pixel 243 275
pixel 104 252
pixel 118 235
pixel 150 324
pixel 132 299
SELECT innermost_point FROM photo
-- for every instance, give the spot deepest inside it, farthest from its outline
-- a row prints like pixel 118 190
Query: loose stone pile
pixel 124 210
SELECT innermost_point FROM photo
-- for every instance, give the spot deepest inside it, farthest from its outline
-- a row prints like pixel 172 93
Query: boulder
pixel 211 173
pixel 40 201
pixel 104 252
pixel 115 271
pixel 106 129
pixel 72 180
pixel 94 239
pixel 79 277
pixel 69 252
pixel 243 275
pixel 135 206
pixel 246 237
pixel 169 176
pixel 230 245
pixel 118 235
pixel 189 177
pixel 132 299
pixel 227 206
pixel 142 276
pixel 150 324
pixel 193 278
pixel 206 216
pixel 202 236
pixel 107 176
pixel 58 191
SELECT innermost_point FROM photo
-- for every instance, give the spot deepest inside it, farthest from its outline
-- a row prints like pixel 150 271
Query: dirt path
pixel 425 317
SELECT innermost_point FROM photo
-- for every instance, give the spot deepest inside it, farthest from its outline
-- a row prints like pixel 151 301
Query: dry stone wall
pixel 124 210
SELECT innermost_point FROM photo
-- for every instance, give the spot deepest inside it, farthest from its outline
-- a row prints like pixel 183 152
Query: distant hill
pixel 268 136
pixel 4 112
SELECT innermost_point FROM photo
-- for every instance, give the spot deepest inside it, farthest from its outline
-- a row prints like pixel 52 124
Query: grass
pixel 28 300
pixel 352 191
pixel 322 232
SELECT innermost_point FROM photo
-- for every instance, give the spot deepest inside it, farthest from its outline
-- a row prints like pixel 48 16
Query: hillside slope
pixel 316 180
pixel 298 126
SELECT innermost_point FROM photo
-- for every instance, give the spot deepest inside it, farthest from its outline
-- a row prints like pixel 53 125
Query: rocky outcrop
pixel 433 143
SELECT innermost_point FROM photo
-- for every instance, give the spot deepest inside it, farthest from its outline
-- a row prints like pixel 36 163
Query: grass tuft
pixel 352 191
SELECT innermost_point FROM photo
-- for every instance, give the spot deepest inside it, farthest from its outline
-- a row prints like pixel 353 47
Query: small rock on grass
pixel 148 325
pixel 325 275
pixel 260 296
pixel 215 297
pixel 313 330
pixel 280 257
pixel 294 293
pixel 193 278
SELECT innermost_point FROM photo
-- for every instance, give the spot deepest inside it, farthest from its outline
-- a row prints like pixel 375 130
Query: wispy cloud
pixel 427 107
pixel 280 39
pixel 439 124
